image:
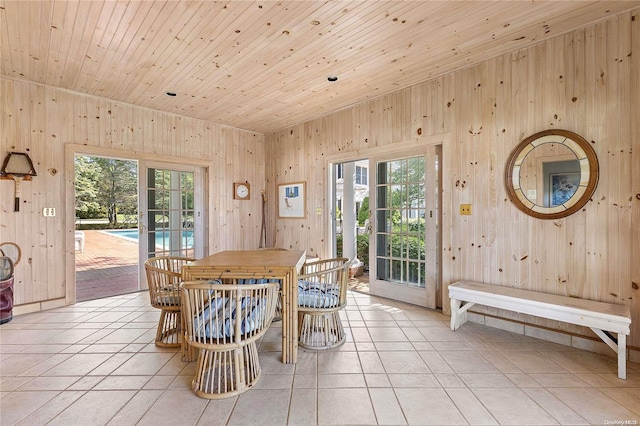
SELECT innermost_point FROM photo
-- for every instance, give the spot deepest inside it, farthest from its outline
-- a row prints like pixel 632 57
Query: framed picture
pixel 291 200
pixel 563 186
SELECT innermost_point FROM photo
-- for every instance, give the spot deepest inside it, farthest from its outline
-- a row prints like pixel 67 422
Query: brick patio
pixel 107 267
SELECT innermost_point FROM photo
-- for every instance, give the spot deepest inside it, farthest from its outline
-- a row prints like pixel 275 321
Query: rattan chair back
pixel 322 293
pixel 164 275
pixel 224 321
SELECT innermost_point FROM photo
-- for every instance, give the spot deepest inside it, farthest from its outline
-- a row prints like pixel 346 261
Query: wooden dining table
pixel 284 265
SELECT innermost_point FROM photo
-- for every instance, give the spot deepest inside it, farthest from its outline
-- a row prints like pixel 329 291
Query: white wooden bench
pixel 601 317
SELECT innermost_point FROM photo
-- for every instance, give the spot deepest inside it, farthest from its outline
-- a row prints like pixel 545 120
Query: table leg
pixel 290 319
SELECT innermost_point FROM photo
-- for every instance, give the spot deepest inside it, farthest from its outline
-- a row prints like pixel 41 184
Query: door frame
pixel 71 150
pixel 442 139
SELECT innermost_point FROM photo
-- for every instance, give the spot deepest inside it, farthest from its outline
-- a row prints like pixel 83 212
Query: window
pixel 361 175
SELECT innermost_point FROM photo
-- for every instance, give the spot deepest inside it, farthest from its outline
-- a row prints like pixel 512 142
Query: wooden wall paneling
pixel 470 191
pixel 64 111
pixel 68 224
pixel 136 130
pixel 535 257
pixel 437 107
pixel 160 135
pixel 104 137
pixel 418 97
pixel 427 107
pixel 574 95
pixel 449 106
pixel 600 136
pixel 450 273
pixel 8 130
pixel 591 127
pixel 402 115
pixel 614 157
pixel 487 168
pixel 34 191
pixel 127 127
pixel 216 181
pixel 454 152
pixel 117 123
pixel 624 205
pixel 316 182
pixel 473 185
pixel 501 243
pixel 361 122
pixel 448 103
pixel 81 120
pixel 512 269
pixel 634 285
pixel 23 220
pixel 558 236
pixel 41 153
pixel 387 123
pixel 56 240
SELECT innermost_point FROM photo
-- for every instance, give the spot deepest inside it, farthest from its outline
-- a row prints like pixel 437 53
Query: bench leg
pixel 622 356
pixel 458 315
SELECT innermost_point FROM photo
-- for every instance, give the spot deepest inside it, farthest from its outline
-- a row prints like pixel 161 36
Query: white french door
pixel 405 226
pixel 171 219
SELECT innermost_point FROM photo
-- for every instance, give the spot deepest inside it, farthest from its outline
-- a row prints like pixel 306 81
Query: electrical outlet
pixel 49 211
pixel 465 209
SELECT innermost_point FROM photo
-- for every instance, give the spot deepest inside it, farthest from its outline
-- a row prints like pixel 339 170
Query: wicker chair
pixel 322 293
pixel 164 275
pixel 224 321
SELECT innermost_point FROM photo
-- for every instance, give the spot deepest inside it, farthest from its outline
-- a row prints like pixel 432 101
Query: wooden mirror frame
pixel 588 173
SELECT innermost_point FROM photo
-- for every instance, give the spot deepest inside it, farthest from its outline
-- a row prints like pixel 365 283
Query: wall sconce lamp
pixel 17 166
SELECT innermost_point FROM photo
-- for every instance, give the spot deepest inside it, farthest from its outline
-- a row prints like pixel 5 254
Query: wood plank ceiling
pixel 263 65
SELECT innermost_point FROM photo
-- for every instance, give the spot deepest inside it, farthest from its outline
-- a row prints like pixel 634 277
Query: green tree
pixel 363 213
pixel 87 174
pixel 117 188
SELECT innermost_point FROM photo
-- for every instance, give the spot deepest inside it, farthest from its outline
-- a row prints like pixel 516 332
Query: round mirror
pixel 551 174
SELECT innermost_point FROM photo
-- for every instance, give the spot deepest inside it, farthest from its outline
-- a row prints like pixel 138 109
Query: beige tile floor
pixel 95 363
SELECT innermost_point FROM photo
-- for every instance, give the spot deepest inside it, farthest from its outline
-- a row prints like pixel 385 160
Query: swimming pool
pixel 163 238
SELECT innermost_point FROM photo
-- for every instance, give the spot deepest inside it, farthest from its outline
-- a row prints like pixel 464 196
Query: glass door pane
pixel 400 213
pixel 170 213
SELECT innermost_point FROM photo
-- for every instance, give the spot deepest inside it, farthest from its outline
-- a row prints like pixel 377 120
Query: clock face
pixel 241 191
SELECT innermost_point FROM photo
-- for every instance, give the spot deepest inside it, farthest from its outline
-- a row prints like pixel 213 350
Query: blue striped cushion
pixel 218 321
pixel 259 281
pixel 316 295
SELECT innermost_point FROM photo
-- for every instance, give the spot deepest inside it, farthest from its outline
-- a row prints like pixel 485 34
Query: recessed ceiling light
pixel 171 94
pixel 332 78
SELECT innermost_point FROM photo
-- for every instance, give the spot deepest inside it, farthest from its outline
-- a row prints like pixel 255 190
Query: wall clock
pixel 241 191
